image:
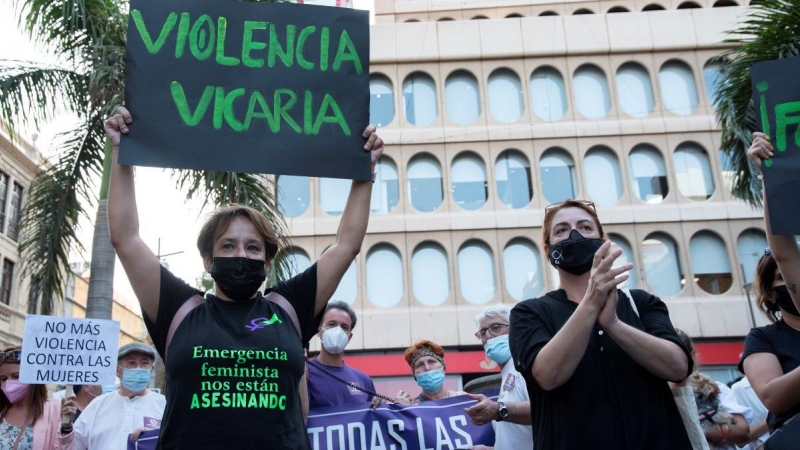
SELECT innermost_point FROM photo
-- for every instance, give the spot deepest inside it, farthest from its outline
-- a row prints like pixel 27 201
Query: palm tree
pixel 88 37
pixel 771 31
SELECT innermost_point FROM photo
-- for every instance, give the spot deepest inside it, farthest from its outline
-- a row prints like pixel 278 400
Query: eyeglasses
pixel 13 356
pixel 585 202
pixel 495 328
pixel 133 364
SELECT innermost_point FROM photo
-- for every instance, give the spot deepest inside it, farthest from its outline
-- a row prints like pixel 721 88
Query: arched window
pixel 750 246
pixel 582 11
pixel 689 5
pixel 590 90
pixel 678 89
pixel 430 274
pixel 653 7
pixel 513 16
pixel 634 90
pixel 506 102
pixel 618 9
pixel 648 174
pixel 419 99
pixel 523 269
pixel 548 13
pixel 446 19
pixel 468 177
pixel 479 18
pixel 384 276
pixel 693 172
pixel 412 20
pixel 727 168
pixel 386 190
pixel 333 194
pixel 625 258
pixel 462 98
pixel 557 174
pixel 294 194
pixel 298 260
pixel 347 291
pixel 425 183
pixel 662 267
pixel 476 272
pixel 724 3
pixel 711 79
pixel 548 96
pixel 381 100
pixel 602 174
pixel 513 174
pixel 710 263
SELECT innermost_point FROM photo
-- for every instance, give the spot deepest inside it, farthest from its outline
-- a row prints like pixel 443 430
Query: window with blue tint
pixel 625 258
pixel 590 91
pixel 513 174
pixel 381 100
pixel 710 262
pixel 522 269
pixel 298 261
pixel 634 90
pixel 727 168
pixel 386 190
pixel 693 172
pixel 711 80
pixel 648 174
pixel 425 183
pixel 462 99
pixel 750 247
pixel 548 95
pixel 384 276
pixel 468 177
pixel 476 272
pixel 603 177
pixel 678 89
pixel 347 291
pixel 662 267
pixel 294 195
pixel 557 175
pixel 419 99
pixel 506 101
pixel 430 274
pixel 333 194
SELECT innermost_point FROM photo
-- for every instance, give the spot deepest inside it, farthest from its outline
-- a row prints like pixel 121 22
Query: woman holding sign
pixel 234 359
pixel 28 420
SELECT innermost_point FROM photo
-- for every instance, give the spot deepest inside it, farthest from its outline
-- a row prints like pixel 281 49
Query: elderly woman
pixel 595 362
pixel 28 420
pixel 426 360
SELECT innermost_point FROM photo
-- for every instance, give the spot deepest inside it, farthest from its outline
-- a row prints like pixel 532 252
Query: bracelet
pixel 66 429
pixel 725 432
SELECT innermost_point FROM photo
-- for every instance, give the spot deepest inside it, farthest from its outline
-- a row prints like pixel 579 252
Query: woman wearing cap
pixel 234 359
pixel 28 420
pixel 426 360
pixel 596 368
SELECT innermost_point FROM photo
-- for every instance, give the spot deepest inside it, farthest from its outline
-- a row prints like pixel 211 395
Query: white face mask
pixel 334 340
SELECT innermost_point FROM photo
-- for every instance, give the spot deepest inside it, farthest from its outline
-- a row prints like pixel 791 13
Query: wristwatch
pixel 502 412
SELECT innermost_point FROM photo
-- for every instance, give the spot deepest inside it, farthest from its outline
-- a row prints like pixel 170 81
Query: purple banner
pixel 147 441
pixel 439 425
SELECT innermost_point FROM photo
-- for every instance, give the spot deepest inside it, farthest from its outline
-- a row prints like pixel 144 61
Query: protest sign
pixel 62 350
pixel 776 95
pixel 248 87
pixel 147 441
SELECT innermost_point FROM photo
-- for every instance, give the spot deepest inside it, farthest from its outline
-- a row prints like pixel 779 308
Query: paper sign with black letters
pixel 248 87
pixel 776 95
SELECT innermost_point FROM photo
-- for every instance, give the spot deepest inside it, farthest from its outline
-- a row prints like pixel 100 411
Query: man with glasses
pixel 511 414
pixel 108 421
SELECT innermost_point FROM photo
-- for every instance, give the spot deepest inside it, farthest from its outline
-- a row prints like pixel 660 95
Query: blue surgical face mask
pixel 497 349
pixel 135 380
pixel 431 381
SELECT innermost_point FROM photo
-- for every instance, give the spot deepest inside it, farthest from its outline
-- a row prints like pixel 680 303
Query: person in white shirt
pixel 109 420
pixel 746 396
pixel 510 415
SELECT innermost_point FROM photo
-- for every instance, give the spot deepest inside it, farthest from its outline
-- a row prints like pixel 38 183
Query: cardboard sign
pixel 61 350
pixel 776 95
pixel 236 86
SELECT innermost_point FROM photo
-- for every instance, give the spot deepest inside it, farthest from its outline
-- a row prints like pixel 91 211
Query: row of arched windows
pixel 522 274
pixel 513 180
pixel 547 94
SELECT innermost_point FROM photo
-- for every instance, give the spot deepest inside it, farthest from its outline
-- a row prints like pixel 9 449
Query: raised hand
pixel 760 149
pixel 604 279
pixel 374 144
pixel 117 125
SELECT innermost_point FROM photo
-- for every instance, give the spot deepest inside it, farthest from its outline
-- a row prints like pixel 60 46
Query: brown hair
pixel 421 345
pixel 550 213
pixel 687 342
pixel 762 287
pixel 219 221
pixel 34 401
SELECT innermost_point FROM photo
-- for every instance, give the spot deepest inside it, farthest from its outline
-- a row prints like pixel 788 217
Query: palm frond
pixel 771 31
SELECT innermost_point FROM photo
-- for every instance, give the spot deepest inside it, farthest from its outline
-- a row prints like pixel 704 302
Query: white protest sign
pixel 62 350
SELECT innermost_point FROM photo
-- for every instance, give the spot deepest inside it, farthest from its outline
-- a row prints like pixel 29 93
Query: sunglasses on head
pixel 14 356
pixel 585 202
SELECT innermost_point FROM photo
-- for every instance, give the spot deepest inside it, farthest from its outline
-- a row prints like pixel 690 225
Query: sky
pixel 164 215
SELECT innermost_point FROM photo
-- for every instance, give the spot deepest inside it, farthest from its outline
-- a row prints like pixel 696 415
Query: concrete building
pixel 489 121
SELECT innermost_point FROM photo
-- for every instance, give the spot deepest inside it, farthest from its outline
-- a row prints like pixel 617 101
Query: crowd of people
pixel 587 366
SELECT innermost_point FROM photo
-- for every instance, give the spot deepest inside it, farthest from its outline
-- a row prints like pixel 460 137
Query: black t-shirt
pixel 234 368
pixel 782 341
pixel 610 402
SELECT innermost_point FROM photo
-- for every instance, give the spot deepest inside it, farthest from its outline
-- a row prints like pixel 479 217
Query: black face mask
pixel 574 254
pixel 784 300
pixel 238 278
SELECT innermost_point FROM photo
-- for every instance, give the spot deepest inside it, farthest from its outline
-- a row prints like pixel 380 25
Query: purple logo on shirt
pixel 262 322
pixel 152 423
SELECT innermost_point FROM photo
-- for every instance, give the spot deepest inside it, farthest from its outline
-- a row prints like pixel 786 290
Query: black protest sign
pixel 248 87
pixel 776 94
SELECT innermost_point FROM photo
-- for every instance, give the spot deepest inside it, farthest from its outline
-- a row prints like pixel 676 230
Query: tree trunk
pixel 101 280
